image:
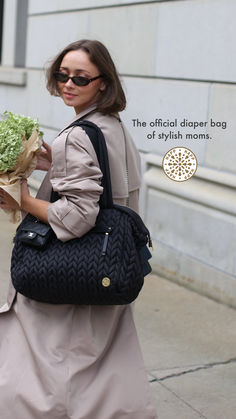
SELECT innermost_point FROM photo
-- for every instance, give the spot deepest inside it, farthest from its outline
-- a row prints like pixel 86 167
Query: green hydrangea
pixel 13 128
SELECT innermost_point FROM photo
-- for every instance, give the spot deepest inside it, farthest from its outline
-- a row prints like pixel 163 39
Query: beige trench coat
pixel 67 361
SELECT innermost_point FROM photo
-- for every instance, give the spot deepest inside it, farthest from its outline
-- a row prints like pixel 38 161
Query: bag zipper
pixel 104 248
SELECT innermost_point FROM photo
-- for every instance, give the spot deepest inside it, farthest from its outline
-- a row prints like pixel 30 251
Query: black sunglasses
pixel 78 80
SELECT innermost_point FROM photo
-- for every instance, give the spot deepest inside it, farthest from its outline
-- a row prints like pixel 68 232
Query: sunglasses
pixel 78 80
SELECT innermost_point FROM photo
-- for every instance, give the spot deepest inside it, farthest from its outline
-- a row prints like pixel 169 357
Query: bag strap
pixel 97 139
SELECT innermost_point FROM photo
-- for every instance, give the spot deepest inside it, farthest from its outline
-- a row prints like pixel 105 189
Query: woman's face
pixel 77 63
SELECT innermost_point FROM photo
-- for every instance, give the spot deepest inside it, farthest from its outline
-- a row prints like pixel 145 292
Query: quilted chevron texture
pixel 96 269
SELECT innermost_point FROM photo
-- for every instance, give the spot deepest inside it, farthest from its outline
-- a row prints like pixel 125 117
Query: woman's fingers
pixel 4 206
pixel 44 158
pixel 2 193
pixel 46 146
pixel 48 151
pixel 43 163
pixel 6 201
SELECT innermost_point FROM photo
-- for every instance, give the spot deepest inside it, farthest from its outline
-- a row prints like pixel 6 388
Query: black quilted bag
pixel 105 266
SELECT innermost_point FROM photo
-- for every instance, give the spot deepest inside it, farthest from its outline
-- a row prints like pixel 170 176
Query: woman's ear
pixel 102 86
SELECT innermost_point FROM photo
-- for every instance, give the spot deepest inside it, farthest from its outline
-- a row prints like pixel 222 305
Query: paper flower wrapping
pixel 20 145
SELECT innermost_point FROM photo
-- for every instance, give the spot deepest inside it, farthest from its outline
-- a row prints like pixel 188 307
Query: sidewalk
pixel 188 342
pixel 189 347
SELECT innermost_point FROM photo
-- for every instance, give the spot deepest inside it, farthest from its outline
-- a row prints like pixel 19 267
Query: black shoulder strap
pixel 98 141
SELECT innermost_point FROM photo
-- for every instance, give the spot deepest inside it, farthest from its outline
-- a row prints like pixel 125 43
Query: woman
pixel 66 361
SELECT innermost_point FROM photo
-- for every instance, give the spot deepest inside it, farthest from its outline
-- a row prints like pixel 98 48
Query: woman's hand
pixel 34 206
pixel 8 203
pixel 44 158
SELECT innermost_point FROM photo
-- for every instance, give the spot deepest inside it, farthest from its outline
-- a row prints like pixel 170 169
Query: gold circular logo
pixel 106 282
pixel 179 164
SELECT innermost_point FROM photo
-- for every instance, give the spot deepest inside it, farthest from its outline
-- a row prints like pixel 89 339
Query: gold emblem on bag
pixel 106 282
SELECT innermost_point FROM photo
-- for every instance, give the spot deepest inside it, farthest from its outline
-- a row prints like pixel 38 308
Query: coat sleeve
pixel 76 176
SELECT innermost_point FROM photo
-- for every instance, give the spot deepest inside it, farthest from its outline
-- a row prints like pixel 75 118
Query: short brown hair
pixel 112 99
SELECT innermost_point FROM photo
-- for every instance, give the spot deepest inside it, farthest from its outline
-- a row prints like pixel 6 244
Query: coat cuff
pixel 67 221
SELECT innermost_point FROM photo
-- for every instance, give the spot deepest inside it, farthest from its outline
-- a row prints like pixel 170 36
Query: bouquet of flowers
pixel 20 144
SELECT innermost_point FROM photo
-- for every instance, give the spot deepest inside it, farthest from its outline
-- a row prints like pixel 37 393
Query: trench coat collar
pixel 80 115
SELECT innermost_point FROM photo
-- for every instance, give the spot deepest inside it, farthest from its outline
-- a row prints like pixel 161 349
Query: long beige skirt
pixel 66 361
